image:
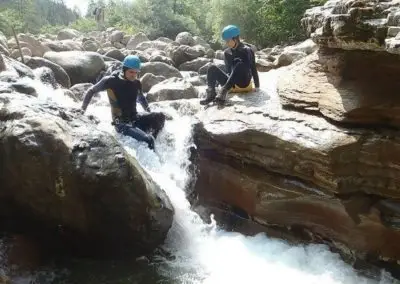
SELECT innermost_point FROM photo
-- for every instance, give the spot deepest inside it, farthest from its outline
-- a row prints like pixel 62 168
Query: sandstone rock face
pixel 292 169
pixel 75 182
pixel 345 86
pixel 350 25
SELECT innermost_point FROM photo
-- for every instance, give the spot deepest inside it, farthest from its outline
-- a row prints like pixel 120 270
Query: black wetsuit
pixel 240 66
pixel 123 95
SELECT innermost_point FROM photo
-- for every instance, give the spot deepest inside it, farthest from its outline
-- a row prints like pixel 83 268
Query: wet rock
pixel 90 45
pixel 185 38
pixel 24 87
pixel 184 53
pixel 171 89
pixel 34 45
pixel 288 57
pixel 81 66
pixel 197 81
pixel 60 75
pixel 200 41
pixel 116 36
pixel 308 46
pixel 79 91
pixel 291 169
pixel 264 65
pixel 152 44
pixel 67 34
pixel 194 65
pixel 46 76
pixel 136 40
pixel 74 169
pixel 116 54
pixel 17 67
pixel 219 54
pixel 350 87
pixel 161 58
pixel 160 69
pixel 219 63
pixel 149 80
pixel 25 52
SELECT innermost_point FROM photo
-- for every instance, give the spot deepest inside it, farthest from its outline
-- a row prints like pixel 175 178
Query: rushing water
pixel 203 253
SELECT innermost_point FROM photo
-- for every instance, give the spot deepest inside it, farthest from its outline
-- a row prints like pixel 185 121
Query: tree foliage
pixel 262 22
pixel 33 15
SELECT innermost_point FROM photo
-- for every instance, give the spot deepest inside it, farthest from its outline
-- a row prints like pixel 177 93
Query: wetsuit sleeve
pixel 228 61
pixel 102 85
pixel 142 99
pixel 253 68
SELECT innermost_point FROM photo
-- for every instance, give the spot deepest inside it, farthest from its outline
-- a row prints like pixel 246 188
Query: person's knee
pixel 212 69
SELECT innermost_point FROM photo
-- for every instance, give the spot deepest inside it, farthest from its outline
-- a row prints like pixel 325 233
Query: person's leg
pixel 214 76
pixel 135 133
pixel 239 76
pixel 151 122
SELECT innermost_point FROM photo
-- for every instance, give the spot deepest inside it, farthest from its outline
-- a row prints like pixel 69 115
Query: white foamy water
pixel 203 252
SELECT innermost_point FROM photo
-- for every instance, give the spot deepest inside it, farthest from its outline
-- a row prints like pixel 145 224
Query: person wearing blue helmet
pixel 124 90
pixel 240 66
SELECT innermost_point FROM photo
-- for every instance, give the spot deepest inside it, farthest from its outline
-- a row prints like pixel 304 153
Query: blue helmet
pixel 132 62
pixel 229 32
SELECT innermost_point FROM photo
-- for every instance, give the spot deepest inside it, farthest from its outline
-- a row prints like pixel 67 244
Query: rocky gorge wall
pixel 320 153
pixel 317 155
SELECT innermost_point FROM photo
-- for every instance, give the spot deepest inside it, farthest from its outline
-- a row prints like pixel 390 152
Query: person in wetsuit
pixel 240 65
pixel 124 90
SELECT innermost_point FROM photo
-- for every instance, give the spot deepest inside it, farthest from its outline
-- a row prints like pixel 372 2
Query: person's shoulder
pixel 248 47
pixel 228 51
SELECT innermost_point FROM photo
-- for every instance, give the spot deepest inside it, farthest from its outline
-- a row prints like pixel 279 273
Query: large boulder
pixel 136 40
pixel 63 45
pixel 194 65
pixel 116 54
pixel 17 68
pixel 81 66
pixel 62 179
pixel 156 44
pixel 37 48
pixel 160 69
pixel 171 89
pixel 184 53
pixel 297 171
pixel 67 34
pixel 79 91
pixel 116 36
pixel 149 80
pixel 185 38
pixel 46 76
pixel 59 73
